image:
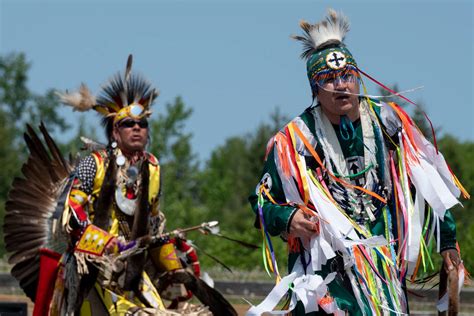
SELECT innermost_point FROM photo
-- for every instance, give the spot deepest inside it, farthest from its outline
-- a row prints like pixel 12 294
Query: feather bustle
pixel 23 255
pixel 63 169
pixel 26 271
pixel 30 205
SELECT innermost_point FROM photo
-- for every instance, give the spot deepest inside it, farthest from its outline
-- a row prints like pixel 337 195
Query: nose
pixel 340 84
pixel 136 126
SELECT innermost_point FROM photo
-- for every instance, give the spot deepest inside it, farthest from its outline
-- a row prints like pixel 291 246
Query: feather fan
pixel 32 201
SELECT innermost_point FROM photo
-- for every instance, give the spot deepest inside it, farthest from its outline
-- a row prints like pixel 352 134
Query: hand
pixel 112 246
pixel 302 227
pixel 451 259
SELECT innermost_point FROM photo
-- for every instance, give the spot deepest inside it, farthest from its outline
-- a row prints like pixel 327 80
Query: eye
pixel 143 123
pixel 127 123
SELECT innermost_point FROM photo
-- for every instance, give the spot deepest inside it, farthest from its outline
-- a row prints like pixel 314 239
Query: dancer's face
pixel 131 135
pixel 335 103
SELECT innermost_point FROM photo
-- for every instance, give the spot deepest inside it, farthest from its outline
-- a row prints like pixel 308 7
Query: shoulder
pixel 303 121
pixel 305 125
pixel 389 115
pixel 99 156
pixel 88 161
pixel 307 117
pixel 152 159
pixel 93 160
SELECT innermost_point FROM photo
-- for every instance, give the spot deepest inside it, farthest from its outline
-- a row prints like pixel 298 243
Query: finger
pixel 448 262
pixel 455 259
pixel 306 230
pixel 312 227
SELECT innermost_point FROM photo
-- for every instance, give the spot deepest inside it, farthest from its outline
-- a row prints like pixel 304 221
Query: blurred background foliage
pixel 193 191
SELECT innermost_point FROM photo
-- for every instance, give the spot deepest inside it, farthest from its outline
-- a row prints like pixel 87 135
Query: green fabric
pixel 448 232
pixel 275 216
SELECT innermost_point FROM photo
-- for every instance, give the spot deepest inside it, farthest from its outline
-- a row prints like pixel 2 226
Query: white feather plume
pixel 332 29
pixel 81 100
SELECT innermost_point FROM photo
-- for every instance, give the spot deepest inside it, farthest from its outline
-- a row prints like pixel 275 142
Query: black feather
pixel 240 242
pixel 55 152
pixel 210 297
pixel 24 255
pixel 140 221
pixel 85 285
pixel 215 259
pixel 138 89
pixel 128 68
pixel 136 263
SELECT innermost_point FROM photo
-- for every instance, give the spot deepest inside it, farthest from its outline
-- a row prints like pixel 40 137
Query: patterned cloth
pixel 86 171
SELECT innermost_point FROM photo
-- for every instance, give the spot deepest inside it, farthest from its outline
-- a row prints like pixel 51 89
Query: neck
pixel 353 115
pixel 133 156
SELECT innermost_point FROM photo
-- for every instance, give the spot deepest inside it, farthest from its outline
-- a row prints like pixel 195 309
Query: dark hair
pixel 108 123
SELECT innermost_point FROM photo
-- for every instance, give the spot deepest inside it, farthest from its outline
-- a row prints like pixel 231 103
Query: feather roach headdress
pixel 129 95
pixel 323 48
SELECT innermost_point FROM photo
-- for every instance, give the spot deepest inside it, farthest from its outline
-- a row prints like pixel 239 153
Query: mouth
pixel 342 97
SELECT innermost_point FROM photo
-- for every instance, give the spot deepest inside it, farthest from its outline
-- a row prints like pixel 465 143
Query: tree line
pixel 193 191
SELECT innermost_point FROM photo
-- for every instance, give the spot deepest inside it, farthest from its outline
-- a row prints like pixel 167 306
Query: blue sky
pixel 233 62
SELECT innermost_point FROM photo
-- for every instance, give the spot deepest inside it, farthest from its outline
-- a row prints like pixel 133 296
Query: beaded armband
pixel 77 201
pixel 93 241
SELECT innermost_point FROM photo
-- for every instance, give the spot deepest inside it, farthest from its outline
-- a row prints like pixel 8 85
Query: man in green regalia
pixel 355 190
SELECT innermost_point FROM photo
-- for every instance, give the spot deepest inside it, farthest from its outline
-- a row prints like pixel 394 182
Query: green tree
pixel 10 166
pixel 459 156
pixel 75 147
pixel 230 175
pixel 179 166
pixel 18 106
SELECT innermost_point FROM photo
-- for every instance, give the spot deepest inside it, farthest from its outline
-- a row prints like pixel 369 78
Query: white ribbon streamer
pixel 269 303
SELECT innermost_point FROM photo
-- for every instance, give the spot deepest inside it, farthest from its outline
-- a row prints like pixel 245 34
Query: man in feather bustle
pixel 115 198
pixel 89 223
pixel 355 190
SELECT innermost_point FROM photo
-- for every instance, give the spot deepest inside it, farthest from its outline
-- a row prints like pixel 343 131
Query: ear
pixel 115 132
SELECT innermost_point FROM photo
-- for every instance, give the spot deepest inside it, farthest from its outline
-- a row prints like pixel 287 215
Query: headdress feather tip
pixel 332 29
pixel 118 93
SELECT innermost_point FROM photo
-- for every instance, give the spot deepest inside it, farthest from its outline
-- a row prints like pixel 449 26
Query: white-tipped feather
pixel 333 29
pixel 81 100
